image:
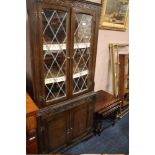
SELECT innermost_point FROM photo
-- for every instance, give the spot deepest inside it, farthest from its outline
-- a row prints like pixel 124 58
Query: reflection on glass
pixel 81 55
pixel 54 47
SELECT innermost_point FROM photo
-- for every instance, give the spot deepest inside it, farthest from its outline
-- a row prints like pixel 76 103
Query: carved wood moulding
pixel 47 112
pixel 74 3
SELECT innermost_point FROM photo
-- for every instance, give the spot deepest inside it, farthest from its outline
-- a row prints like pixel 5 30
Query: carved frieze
pixel 47 112
pixel 73 3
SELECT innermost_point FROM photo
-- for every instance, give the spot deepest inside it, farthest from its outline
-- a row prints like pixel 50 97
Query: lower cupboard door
pixel 79 119
pixel 54 136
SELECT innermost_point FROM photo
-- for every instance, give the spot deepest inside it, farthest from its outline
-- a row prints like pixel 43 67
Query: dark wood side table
pixel 106 104
pixel 31 126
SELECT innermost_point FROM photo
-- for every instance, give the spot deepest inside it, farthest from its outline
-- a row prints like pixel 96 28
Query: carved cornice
pixel 74 3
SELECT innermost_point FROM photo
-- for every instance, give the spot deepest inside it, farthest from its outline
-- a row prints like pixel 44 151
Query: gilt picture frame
pixel 114 15
pixel 117 50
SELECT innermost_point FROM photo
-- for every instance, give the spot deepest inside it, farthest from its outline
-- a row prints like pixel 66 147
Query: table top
pixel 104 99
pixel 31 107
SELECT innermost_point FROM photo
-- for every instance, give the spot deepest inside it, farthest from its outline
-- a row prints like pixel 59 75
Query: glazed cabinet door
pixel 82 34
pixel 55 21
pixel 53 135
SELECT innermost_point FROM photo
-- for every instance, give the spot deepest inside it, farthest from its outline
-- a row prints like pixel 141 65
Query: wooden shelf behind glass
pixel 63 78
pixel 58 47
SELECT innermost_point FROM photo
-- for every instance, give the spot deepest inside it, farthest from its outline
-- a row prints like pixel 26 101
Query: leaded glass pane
pixel 54 48
pixel 81 55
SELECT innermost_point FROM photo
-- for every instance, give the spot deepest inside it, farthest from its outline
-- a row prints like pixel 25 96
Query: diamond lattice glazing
pixel 54 47
pixel 82 37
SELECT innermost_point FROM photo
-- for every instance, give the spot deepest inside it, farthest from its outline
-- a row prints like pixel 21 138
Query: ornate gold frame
pixel 115 65
pixel 112 25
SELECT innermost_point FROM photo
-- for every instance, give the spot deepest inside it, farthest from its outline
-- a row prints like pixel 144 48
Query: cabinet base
pixel 80 139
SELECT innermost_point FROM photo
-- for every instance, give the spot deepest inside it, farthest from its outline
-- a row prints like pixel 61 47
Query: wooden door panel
pixel 55 135
pixel 57 132
pixel 91 106
pixel 79 120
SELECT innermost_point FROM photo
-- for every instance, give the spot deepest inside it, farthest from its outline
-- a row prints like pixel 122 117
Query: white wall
pixel 103 76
